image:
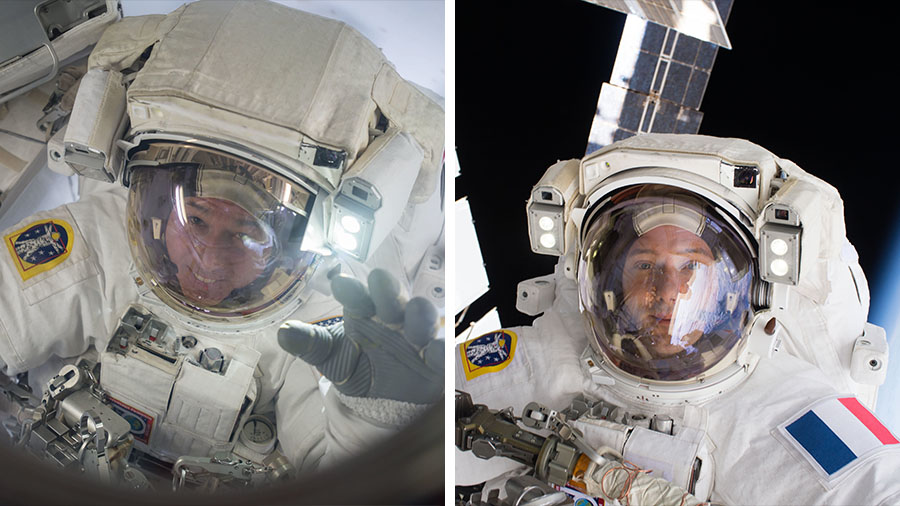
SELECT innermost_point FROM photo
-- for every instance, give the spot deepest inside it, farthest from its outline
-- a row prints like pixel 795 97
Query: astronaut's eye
pixel 250 231
pixel 197 224
pixel 196 221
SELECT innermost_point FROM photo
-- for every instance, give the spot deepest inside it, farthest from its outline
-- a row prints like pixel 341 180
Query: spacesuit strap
pixel 414 111
pixel 123 43
pixel 696 417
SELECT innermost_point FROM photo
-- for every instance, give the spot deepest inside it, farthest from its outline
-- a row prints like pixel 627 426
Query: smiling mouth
pixel 662 325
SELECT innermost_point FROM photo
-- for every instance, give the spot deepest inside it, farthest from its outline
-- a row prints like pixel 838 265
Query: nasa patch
pixel 40 246
pixel 488 353
pixel 141 423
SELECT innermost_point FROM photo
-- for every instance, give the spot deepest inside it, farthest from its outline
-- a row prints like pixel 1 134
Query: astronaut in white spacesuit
pixel 264 150
pixel 706 341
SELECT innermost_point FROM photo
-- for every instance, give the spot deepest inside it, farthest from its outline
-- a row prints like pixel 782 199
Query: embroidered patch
pixel 331 320
pixel 488 353
pixel 40 246
pixel 836 434
pixel 141 423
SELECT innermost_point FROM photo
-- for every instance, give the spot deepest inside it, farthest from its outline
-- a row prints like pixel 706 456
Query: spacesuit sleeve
pixel 355 424
pixel 61 274
pixel 319 427
pixel 299 410
pixel 786 436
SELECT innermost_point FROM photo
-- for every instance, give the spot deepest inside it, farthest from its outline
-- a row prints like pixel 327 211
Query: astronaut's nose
pixel 210 258
pixel 668 285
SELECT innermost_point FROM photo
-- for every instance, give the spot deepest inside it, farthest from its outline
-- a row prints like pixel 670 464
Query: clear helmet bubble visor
pixel 218 237
pixel 665 283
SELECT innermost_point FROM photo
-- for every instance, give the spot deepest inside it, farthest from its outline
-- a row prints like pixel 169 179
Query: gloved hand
pixel 385 348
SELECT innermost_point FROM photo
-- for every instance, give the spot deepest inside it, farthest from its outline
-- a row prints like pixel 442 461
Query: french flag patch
pixel 836 434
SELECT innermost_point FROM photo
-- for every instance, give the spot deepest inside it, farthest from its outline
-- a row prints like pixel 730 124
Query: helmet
pixel 296 154
pixel 665 283
pixel 665 235
pixel 687 251
pixel 218 236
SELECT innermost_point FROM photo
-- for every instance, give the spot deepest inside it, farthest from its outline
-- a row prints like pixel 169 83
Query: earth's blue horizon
pixel 883 311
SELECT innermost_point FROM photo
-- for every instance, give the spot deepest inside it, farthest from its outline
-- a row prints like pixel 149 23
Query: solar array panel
pixel 698 18
pixel 657 84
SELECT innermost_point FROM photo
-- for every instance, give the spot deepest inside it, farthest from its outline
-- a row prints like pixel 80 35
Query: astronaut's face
pixel 665 268
pixel 217 247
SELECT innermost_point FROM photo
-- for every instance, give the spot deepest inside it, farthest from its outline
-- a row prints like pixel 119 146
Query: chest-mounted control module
pixel 151 340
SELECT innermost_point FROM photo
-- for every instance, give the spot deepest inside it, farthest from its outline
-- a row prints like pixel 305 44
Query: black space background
pixel 814 86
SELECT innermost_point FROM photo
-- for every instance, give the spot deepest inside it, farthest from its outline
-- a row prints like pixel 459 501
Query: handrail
pixel 5 97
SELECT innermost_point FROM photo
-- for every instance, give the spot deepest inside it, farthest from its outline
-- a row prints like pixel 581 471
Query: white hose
pixel 629 485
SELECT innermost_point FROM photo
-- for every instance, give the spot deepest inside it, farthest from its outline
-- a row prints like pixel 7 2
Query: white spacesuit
pixel 706 323
pixel 263 150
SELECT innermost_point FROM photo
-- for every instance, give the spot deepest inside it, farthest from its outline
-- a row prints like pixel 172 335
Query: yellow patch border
pixel 473 371
pixel 28 270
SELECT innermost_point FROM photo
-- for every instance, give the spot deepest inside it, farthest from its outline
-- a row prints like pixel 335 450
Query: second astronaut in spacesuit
pixel 707 327
pixel 255 172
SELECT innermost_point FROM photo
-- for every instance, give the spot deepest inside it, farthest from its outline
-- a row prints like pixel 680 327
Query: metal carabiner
pixel 98 434
pixel 178 479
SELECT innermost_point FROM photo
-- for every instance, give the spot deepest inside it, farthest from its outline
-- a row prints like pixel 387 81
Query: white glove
pixel 385 348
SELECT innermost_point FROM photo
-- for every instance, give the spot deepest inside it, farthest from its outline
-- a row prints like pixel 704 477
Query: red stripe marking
pixel 869 420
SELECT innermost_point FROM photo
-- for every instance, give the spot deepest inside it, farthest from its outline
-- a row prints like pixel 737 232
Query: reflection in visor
pixel 216 234
pixel 665 283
